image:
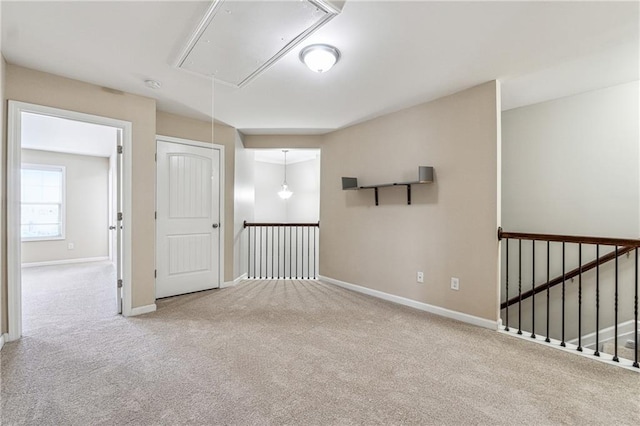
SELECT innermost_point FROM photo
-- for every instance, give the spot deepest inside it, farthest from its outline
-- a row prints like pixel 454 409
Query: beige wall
pixel 448 231
pixel 187 128
pixel 86 208
pixel 40 88
pixel 3 199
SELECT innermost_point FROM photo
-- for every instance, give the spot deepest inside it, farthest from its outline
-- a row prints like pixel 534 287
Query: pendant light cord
pixel 285 193
pixel 285 166
pixel 212 102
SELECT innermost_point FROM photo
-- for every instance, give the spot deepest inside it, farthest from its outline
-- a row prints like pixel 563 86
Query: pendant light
pixel 284 192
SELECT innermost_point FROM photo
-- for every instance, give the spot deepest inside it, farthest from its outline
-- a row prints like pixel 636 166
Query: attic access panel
pixel 237 40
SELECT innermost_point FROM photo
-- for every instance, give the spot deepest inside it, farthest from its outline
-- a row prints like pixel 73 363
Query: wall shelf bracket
pixel 425 175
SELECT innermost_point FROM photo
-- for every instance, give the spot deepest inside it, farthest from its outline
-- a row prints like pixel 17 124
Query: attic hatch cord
pixel 212 100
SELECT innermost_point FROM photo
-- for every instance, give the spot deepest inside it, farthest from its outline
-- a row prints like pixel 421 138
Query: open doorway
pixel 68 193
pixel 283 241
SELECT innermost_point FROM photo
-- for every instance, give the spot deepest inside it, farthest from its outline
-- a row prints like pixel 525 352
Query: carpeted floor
pixel 286 352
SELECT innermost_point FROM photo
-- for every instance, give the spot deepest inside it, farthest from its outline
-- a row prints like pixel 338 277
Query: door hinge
pixel 119 283
pixel 155 157
pixel 119 215
pixel 155 215
pixel 120 149
pixel 155 273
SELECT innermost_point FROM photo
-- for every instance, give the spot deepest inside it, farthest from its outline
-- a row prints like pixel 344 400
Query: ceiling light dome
pixel 319 57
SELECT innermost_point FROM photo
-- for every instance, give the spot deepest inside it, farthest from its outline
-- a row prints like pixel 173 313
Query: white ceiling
pixel 237 41
pixel 47 133
pixel 394 54
pixel 276 156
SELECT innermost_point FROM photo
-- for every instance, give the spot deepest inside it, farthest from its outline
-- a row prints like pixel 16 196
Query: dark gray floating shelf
pixel 425 175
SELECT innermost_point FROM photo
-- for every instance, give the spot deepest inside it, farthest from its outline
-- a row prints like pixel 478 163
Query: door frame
pixel 14 256
pixel 221 195
pixel 112 208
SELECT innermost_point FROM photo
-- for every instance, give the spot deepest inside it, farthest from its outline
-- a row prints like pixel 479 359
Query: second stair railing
pixel 605 297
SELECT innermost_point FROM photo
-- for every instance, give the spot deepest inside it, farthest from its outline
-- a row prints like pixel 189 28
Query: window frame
pixel 63 199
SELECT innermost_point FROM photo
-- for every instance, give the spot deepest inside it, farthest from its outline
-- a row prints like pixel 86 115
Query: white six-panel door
pixel 188 219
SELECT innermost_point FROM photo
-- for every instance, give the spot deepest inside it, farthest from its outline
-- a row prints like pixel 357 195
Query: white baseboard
pixel 234 282
pixel 572 349
pixel 627 328
pixel 141 310
pixel 460 316
pixel 2 339
pixel 65 261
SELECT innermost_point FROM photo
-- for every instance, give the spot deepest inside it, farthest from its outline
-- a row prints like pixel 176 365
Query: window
pixel 42 209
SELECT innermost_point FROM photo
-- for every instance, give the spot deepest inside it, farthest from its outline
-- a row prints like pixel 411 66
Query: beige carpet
pixel 283 352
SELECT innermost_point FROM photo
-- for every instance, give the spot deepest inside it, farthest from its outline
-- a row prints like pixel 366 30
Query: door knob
pixel 215 225
pixel 112 228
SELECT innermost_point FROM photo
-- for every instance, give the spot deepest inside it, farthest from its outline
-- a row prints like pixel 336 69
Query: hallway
pixel 291 352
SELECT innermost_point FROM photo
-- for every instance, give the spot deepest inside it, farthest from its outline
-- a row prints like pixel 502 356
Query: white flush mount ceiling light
pixel 320 57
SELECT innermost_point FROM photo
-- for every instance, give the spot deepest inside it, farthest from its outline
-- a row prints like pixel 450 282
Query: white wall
pixel 244 201
pixel 572 166
pixel 268 180
pixel 303 179
pixel 86 211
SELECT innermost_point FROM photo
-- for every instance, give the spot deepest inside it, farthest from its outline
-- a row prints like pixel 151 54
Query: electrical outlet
pixel 420 277
pixel 71 246
pixel 455 283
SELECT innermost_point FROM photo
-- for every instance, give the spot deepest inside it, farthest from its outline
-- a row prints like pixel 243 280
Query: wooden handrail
pixel 627 245
pixel 605 241
pixel 247 224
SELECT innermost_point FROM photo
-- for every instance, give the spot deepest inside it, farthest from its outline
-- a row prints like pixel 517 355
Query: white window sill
pixel 37 239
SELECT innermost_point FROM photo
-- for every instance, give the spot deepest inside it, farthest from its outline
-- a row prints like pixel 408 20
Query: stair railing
pixel 282 250
pixel 568 276
pixel 620 247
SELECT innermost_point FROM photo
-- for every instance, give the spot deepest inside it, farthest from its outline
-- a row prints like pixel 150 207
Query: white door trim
pixel 161 138
pixel 112 208
pixel 14 285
